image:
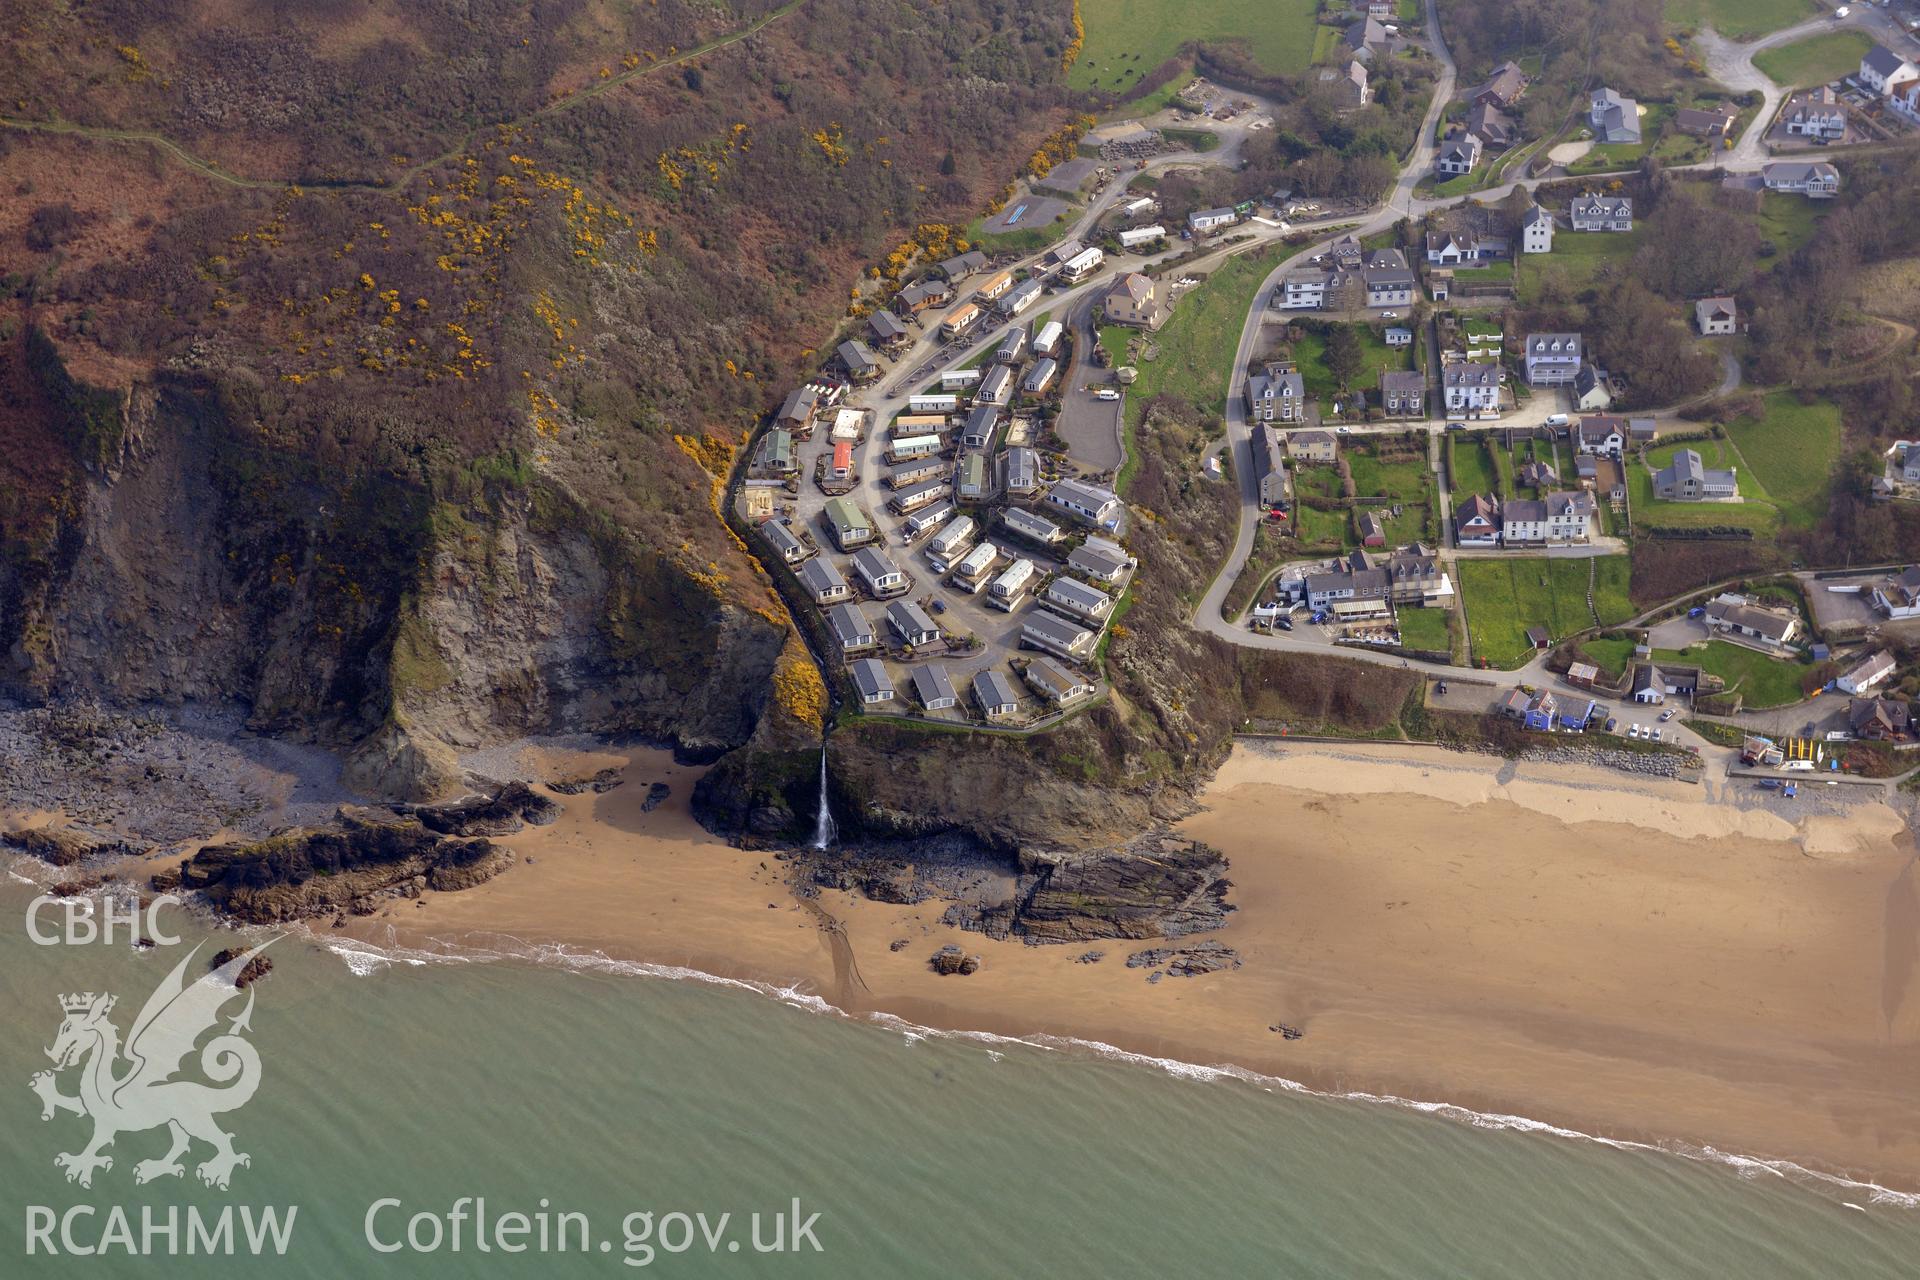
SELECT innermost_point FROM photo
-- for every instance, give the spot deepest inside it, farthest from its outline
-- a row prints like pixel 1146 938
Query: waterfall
pixel 824 830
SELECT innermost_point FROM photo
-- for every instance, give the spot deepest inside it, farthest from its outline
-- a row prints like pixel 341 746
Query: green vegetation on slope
pixel 1790 450
pixel 1815 60
pixel 1128 38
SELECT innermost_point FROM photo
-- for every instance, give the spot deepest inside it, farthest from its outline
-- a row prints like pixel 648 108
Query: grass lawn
pixel 1760 680
pixel 1508 594
pixel 1310 354
pixel 1127 38
pixel 1406 481
pixel 1791 450
pixel 1754 513
pixel 1576 258
pixel 1815 60
pixel 1316 482
pixel 1789 221
pixel 1739 19
pixel 1197 346
pixel 1611 656
pixel 1610 575
pixel 1326 43
pixel 1317 528
pixel 1425 629
pixel 1610 157
pixel 1458 185
pixel 1497 270
pixel 1472 471
pixel 1411 525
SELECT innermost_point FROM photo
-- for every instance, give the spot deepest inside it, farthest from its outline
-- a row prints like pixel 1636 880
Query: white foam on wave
pixel 364 959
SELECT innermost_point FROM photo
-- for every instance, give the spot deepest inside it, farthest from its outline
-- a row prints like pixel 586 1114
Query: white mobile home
pixel 933 403
pixel 1011 587
pixel 922 521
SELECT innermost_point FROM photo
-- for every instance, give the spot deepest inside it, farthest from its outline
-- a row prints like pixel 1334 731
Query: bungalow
pixel 1735 615
pixel 1040 377
pixel 910 499
pixel 881 576
pixel 1089 502
pixel 1030 526
pixel 1883 70
pixel 887 329
pixel 1536 231
pixel 1057 636
pixel 784 542
pixel 872 682
pixel 858 360
pixel 823 582
pixel 1056 683
pixel 911 624
pixel 1464 248
pixel 1686 479
pixel 1603 436
pixel 1403 394
pixel 1471 388
pixel 1704 122
pixel 1134 300
pixel 996 387
pixel 1394 336
pixel 1476 522
pixel 1101 560
pixel 776 453
pixel 1206 220
pixel 963 266
pixel 1278 395
pixel 799 410
pixel 1078 600
pixel 1653 685
pixel 1867 673
pixel 1878 720
pixel 1817 181
pixel 850 526
pixel 922 295
pixel 1714 316
pixel 933 688
pixel 1504 87
pixel 1023 471
pixel 1898 597
pixel 1815 113
pixel 995 695
pixel 1590 389
pixel 1555 520
pixel 1601 213
pixel 851 628
pixel 1552 359
pixel 970 484
pixel 1312 446
pixel 1459 154
pixel 982 421
pixel 1614 117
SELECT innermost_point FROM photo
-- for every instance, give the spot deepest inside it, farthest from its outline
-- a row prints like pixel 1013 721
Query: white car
pixel 1633 731
pixel 1106 393
pixel 1345 431
pixel 1389 315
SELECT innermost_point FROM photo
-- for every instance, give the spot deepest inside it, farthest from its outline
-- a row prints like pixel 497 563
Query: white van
pixel 1558 420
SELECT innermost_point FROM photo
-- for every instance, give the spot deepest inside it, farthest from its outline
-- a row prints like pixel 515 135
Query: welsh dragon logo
pixel 126 1090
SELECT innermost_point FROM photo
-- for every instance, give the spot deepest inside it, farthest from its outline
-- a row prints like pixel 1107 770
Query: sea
pixel 578 1117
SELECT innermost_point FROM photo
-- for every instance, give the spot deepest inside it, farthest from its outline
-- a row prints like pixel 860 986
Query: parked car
pixel 1654 734
pixel 1441 688
pixel 1633 731
pixel 1666 715
pixel 1286 624
pixel 1610 723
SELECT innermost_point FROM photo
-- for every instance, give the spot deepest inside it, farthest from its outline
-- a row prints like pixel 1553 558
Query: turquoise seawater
pixel 613 1093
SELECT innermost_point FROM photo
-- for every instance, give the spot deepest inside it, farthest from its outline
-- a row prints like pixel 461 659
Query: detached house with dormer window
pixel 1278 395
pixel 1552 359
pixel 1471 388
pixel 1601 213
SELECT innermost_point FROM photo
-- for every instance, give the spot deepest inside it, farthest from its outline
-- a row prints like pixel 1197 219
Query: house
pixel 1465 247
pixel 784 542
pixel 1078 600
pixel 849 525
pixel 1883 70
pixel 1040 377
pixel 851 628
pixel 1601 213
pixel 1134 300
pixel 1494 127
pixel 1715 316
pixel 1603 436
pixel 1101 560
pixel 1347 253
pixel 858 360
pixel 922 295
pixel 798 412
pixel 1081 265
pixel 1905 102
pixel 1552 359
pixel 776 453
pixel 996 387
pixel 823 582
pixel 1353 590
pixel 1736 615
pixel 1815 113
pixel 1302 291
pixel 1056 683
pixel 888 329
pixel 1899 596
pixel 933 688
pixel 982 421
pixel 1459 154
pixel 1372 532
pixel 1023 471
pixel 1868 672
pixel 1535 474
pixel 1389 280
pixel 1471 388
pixel 1543 712
pixel 1904 461
pixel 1614 117
pixel 959 268
pixel 970 484
pixel 1817 181
pixel 1397 337
pixel 1350 85
pixel 1590 390
pixel 1022 296
pixel 1046 342
pixel 911 624
pixel 1203 221
pixel 1403 394
pixel 1476 522
pixel 1278 395
pixel 1878 720
pixel 1270 461
pixel 1504 87
pixel 995 695
pixel 1089 502
pixel 1368 37
pixel 1312 446
pixel 880 575
pixel 1055 635
pixel 872 682
pixel 1686 479
pixel 1555 520
pixel 1028 525
pixel 1536 231
pixel 1704 122
pixel 1654 685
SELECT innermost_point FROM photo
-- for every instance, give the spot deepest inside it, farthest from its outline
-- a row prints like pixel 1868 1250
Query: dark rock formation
pixel 254 970
pixel 603 781
pixel 951 960
pixel 1186 962
pixel 501 814
pixel 1156 886
pixel 61 848
pixel 656 796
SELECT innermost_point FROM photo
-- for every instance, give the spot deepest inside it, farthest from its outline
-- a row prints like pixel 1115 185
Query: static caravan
pixel 1011 587
pixel 915 496
pixel 950 543
pixel 934 689
pixel 959 320
pixel 995 388
pixel 971 573
pixel 1056 635
pixel 932 403
pixel 918 424
pixel 913 447
pixel 789 547
pixel 881 575
pixel 1023 297
pixel 996 285
pixel 1134 237
pixel 959 379
pixel 922 521
pixel 1081 265
pixel 1012 347
pixel 1047 341
pixel 914 472
pixel 1077 600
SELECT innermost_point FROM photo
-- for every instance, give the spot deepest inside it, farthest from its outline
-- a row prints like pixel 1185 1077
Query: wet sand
pixel 1614 955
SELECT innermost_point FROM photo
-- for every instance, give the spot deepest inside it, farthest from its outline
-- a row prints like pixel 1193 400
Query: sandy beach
pixel 1617 955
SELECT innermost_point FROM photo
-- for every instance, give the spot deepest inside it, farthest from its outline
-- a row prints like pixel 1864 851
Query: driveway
pixel 1091 427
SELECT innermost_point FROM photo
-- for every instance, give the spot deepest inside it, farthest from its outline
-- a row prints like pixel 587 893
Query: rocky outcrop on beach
pixel 599 783
pixel 951 959
pixel 250 973
pixel 1155 886
pixel 509 809
pixel 1650 764
pixel 365 857
pixel 1185 962
pixel 56 847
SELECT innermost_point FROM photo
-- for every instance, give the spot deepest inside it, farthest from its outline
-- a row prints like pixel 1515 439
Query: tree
pixel 1343 354
pixel 947 166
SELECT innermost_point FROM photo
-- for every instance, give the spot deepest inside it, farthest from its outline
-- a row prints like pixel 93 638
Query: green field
pixel 1754 512
pixel 1405 481
pixel 1789 221
pixel 1739 19
pixel 1576 258
pixel 1507 594
pixel 1762 681
pixel 1790 450
pixel 1125 39
pixel 1472 471
pixel 1815 60
pixel 1425 629
pixel 1197 346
